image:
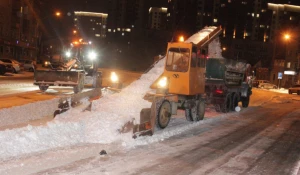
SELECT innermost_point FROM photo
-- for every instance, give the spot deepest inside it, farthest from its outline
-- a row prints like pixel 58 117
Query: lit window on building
pixel 291 18
pixel 263 10
pixel 215 20
pixel 97 35
pixel 128 30
pixel 262 26
pixel 252 14
pixel 123 34
pixel 257 15
pixel 288 65
pixel 118 29
pixel 223 5
pixel 109 30
pixel 244 2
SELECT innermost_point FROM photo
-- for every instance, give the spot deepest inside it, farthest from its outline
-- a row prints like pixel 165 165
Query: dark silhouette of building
pixel 19 30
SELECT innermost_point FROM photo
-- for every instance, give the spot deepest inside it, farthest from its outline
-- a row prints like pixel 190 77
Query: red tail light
pixel 219 91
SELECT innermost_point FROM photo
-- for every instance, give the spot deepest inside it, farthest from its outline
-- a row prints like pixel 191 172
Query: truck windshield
pixel 178 59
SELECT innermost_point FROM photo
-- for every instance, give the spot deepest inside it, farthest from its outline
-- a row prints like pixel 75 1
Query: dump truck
pixel 191 80
pixel 81 64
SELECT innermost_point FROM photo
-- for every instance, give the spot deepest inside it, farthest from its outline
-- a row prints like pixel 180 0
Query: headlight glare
pixel 162 83
pixel 68 54
pixel 114 77
pixel 92 55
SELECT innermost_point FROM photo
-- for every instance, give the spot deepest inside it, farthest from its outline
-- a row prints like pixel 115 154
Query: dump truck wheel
pixel 200 110
pixel 235 101
pixel 245 101
pixel 43 88
pixel 225 107
pixel 188 115
pixel 163 114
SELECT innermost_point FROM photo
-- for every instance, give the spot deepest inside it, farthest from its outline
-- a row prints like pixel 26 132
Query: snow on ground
pixel 100 125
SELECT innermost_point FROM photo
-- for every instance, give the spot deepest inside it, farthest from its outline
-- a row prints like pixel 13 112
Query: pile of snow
pixel 100 125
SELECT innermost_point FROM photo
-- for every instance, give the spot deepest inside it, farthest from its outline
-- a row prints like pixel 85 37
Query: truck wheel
pixel 235 101
pixel 245 101
pixel 298 92
pixel 163 114
pixel 188 115
pixel 43 88
pixel 198 114
pixel 226 106
pixel 290 92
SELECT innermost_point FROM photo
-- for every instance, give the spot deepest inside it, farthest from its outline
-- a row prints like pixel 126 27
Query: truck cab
pixel 184 70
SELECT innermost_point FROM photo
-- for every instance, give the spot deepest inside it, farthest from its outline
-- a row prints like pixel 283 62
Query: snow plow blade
pixel 147 122
pixel 60 78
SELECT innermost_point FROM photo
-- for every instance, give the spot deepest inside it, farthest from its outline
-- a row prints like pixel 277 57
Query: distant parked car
pixel 5 67
pixel 265 84
pixel 295 89
pixel 29 65
pixel 16 65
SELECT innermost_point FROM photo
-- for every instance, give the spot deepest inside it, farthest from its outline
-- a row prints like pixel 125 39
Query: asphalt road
pixel 262 139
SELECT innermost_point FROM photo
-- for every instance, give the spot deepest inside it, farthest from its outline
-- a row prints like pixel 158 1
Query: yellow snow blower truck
pixel 190 80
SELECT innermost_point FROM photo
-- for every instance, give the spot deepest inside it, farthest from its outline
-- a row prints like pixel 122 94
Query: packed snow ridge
pixel 101 124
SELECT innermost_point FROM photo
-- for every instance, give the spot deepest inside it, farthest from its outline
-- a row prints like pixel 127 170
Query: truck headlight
pixel 114 77
pixel 68 54
pixel 163 82
pixel 92 55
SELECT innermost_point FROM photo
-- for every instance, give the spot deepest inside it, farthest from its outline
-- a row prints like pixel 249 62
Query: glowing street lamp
pixel 57 13
pixel 74 31
pixel 287 36
pixel 181 39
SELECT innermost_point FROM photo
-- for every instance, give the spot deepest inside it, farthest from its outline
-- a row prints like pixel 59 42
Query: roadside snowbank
pixel 100 125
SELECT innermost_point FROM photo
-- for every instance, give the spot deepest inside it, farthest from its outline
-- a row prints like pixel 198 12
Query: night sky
pixel 63 25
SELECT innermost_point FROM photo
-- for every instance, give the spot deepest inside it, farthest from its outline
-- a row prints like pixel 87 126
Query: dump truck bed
pixel 227 71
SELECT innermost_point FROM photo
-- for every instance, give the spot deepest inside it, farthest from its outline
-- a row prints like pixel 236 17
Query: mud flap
pixel 147 121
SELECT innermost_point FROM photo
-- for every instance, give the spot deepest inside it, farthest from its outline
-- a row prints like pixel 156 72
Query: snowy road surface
pixel 262 139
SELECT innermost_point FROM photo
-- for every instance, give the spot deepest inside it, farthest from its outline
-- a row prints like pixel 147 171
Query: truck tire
pixel 163 115
pixel 200 110
pixel 235 101
pixel 43 88
pixel 197 112
pixel 226 106
pixel 298 92
pixel 188 115
pixel 245 101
